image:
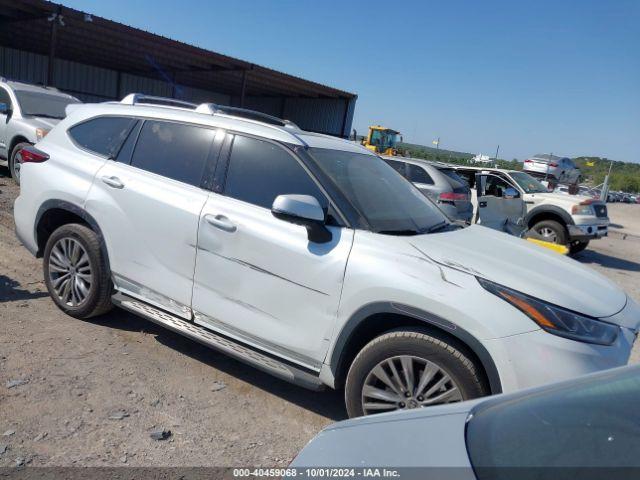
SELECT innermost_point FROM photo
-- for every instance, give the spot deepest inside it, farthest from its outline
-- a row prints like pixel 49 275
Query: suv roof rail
pixel 209 109
pixel 215 109
pixel 137 98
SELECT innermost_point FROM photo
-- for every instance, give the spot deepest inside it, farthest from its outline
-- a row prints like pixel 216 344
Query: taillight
pixel 31 155
pixel 553 164
pixel 452 197
pixel 528 161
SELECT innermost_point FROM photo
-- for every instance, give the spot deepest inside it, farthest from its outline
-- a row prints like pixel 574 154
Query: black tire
pixel 12 161
pixel 577 247
pixel 559 231
pixel 98 297
pixel 414 343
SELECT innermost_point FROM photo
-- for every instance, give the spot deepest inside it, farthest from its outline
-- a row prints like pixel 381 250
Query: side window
pixel 173 150
pixel 416 174
pixel 399 167
pixel 495 186
pixel 5 98
pixel 259 171
pixel 102 135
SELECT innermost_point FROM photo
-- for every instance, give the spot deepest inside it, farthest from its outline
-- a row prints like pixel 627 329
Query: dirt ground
pixel 94 391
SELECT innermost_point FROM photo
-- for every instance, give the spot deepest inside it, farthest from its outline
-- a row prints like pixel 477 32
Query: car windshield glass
pixel 42 104
pixel 591 422
pixel 528 183
pixel 388 202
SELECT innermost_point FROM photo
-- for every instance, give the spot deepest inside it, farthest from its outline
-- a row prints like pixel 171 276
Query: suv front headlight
pixel 556 320
pixel 583 208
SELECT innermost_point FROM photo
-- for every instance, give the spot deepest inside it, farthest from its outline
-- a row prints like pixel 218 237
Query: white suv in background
pixel 27 113
pixel 304 255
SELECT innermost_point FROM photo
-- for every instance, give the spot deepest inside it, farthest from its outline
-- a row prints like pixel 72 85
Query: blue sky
pixel 533 76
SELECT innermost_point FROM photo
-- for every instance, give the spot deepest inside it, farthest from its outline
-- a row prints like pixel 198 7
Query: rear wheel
pixel 14 164
pixel 76 272
pixel 409 369
pixel 551 231
pixel 577 247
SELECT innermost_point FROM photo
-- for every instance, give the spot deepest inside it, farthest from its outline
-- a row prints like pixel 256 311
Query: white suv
pixel 304 255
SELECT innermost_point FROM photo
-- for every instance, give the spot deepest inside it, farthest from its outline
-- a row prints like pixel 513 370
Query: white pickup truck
pixel 571 220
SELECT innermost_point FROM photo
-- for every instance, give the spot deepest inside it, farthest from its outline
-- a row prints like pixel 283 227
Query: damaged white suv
pixel 304 255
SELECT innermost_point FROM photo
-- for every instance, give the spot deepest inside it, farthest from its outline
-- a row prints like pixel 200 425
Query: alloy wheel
pixel 406 382
pixel 548 234
pixel 70 272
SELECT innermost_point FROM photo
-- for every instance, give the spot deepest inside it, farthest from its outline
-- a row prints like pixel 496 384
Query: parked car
pixel 304 255
pixel 571 220
pixel 585 426
pixel 560 169
pixel 439 182
pixel 27 113
pixel 626 198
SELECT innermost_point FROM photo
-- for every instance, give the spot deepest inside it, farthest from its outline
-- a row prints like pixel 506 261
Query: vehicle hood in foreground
pixel 525 267
pixel 425 437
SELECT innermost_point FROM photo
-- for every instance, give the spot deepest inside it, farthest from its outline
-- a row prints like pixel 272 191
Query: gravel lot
pixel 95 390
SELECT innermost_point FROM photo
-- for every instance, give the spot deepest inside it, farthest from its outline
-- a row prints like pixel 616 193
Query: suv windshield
pixel 41 104
pixel 593 422
pixel 388 202
pixel 528 183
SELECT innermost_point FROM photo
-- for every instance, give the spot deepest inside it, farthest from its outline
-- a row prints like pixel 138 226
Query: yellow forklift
pixel 382 140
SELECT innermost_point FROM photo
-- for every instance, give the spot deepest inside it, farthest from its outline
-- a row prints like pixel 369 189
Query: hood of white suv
pixel 561 199
pixel 525 267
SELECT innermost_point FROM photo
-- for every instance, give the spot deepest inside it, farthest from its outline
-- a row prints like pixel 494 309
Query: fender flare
pixel 52 204
pixel 428 318
pixel 549 209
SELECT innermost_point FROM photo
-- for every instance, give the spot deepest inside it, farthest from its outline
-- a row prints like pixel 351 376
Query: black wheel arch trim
pixel 428 318
pixel 53 204
pixel 553 209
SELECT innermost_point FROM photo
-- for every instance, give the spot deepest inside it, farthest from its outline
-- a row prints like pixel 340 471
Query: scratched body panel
pixel 267 280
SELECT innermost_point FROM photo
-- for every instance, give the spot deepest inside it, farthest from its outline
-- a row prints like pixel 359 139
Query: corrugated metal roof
pixel 103 43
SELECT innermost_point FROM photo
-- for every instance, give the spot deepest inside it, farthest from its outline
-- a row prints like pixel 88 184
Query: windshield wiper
pixel 45 115
pixel 438 227
pixel 406 232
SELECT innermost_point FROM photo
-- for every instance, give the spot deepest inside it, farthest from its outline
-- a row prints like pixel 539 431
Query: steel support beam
pixel 243 88
pixel 52 50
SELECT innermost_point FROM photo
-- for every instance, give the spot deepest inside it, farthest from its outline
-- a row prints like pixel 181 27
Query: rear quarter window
pixel 173 150
pixel 103 135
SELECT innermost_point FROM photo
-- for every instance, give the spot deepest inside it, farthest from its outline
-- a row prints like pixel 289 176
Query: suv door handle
pixel 221 222
pixel 113 182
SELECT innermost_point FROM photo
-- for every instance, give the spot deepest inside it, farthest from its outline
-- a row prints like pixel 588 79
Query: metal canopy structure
pixel 60 33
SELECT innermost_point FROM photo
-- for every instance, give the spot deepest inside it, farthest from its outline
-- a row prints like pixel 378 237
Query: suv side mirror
pixel 511 193
pixel 302 210
pixel 4 109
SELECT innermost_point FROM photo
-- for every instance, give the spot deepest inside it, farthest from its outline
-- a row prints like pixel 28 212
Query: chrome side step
pixel 210 339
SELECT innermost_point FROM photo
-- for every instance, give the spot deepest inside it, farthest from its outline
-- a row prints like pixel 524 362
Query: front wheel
pixel 76 272
pixel 409 369
pixel 551 231
pixel 577 247
pixel 14 164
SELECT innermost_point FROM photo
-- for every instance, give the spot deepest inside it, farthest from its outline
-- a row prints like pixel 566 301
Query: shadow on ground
pixel 328 403
pixel 589 257
pixel 10 291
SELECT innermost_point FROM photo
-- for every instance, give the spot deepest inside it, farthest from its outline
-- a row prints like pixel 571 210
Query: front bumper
pixel 588 231
pixel 537 357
